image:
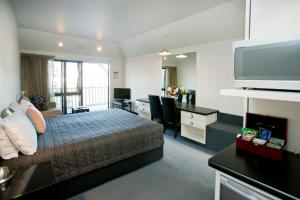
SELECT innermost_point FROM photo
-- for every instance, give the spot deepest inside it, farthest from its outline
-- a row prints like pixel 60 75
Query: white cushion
pixel 22 106
pixel 7 149
pixel 21 132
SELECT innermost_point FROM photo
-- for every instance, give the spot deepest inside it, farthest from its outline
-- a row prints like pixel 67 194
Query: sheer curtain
pixel 35 75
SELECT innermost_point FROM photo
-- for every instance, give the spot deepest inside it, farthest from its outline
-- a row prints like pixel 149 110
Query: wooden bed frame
pixel 79 184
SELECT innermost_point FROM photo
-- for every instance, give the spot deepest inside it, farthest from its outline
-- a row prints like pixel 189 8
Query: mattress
pixel 79 143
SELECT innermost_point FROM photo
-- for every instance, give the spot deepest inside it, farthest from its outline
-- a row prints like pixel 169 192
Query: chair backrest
pixel 169 109
pixel 192 97
pixel 155 107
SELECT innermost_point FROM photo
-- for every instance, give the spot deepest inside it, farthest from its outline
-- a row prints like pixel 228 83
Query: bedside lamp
pixel 21 96
pixel 6 112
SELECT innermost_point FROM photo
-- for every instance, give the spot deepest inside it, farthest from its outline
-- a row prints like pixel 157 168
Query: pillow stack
pixel 18 131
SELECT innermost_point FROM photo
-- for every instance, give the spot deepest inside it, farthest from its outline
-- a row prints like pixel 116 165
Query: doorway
pixel 77 83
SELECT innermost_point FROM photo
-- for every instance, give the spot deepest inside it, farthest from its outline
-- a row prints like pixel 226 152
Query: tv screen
pixel 122 93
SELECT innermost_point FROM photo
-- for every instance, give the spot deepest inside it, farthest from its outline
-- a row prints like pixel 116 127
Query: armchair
pixel 52 110
pixel 48 109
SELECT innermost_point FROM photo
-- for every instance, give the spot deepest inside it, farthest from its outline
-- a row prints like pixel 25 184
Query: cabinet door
pixel 229 188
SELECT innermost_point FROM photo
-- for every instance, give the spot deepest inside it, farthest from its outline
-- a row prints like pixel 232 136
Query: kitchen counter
pixel 281 179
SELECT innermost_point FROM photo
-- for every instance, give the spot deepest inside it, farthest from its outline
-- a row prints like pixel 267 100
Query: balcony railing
pixel 91 96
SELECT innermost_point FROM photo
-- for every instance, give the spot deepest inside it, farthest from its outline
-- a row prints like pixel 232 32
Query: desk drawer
pixel 192 116
pixel 194 123
pixel 144 107
pixel 196 134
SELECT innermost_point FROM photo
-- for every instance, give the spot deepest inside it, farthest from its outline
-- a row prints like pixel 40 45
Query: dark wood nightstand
pixel 29 183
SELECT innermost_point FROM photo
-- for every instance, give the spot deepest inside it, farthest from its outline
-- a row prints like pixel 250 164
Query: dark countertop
pixel 282 179
pixel 188 107
pixel 146 100
pixel 28 183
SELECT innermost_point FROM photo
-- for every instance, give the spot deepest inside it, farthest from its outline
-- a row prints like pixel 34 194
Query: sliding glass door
pixel 68 84
pixel 77 83
pixel 95 79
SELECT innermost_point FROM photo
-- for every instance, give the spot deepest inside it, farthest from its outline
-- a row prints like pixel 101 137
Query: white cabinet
pixel 228 187
pixel 143 109
pixel 193 126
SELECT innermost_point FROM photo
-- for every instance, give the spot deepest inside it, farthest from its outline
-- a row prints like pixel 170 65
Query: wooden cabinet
pixel 193 125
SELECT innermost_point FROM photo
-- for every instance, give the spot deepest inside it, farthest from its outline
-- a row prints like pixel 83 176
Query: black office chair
pixel 171 116
pixel 156 108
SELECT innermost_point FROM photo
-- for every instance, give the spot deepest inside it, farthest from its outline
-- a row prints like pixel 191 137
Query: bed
pixel 82 146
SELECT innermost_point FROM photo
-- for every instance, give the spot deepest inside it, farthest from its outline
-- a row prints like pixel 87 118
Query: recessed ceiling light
pixel 60 44
pixel 99 48
pixel 164 52
pixel 181 56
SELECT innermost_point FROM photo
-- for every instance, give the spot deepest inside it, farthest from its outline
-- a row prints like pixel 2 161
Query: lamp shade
pixel 6 112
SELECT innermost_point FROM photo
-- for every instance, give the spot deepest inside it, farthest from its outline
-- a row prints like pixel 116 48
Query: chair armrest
pixel 51 113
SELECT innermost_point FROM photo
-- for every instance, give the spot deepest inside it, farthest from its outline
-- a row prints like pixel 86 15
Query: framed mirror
pixel 179 75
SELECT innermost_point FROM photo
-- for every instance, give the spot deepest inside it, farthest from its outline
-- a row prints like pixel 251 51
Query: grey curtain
pixel 171 76
pixel 34 75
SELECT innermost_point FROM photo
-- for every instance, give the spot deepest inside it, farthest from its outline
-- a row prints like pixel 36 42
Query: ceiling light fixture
pixel 165 58
pixel 60 44
pixel 99 48
pixel 164 52
pixel 181 56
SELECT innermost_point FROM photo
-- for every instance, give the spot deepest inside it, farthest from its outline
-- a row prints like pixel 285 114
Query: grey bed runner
pixel 80 143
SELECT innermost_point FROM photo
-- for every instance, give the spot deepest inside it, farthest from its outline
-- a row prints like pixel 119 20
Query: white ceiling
pixel 222 22
pixel 107 20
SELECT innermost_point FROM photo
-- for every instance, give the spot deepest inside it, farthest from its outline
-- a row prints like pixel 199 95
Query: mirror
pixel 179 71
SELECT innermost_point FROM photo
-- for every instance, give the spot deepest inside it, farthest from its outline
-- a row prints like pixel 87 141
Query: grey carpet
pixel 182 174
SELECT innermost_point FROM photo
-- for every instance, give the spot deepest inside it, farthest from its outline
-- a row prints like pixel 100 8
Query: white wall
pixel 214 63
pixel 75 48
pixel 276 18
pixel 9 55
pixel 143 75
pixel 271 18
pixel 214 72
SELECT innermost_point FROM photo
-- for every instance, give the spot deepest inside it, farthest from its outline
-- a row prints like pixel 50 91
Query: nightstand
pixel 29 183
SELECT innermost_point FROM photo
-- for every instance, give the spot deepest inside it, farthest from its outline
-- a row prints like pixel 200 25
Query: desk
pixel 183 106
pixel 194 119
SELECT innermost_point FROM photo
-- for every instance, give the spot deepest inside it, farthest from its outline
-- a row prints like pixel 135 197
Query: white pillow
pixel 21 132
pixel 7 149
pixel 22 106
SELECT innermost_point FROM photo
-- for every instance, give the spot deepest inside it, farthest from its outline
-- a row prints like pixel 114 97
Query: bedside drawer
pixel 194 123
pixel 192 116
